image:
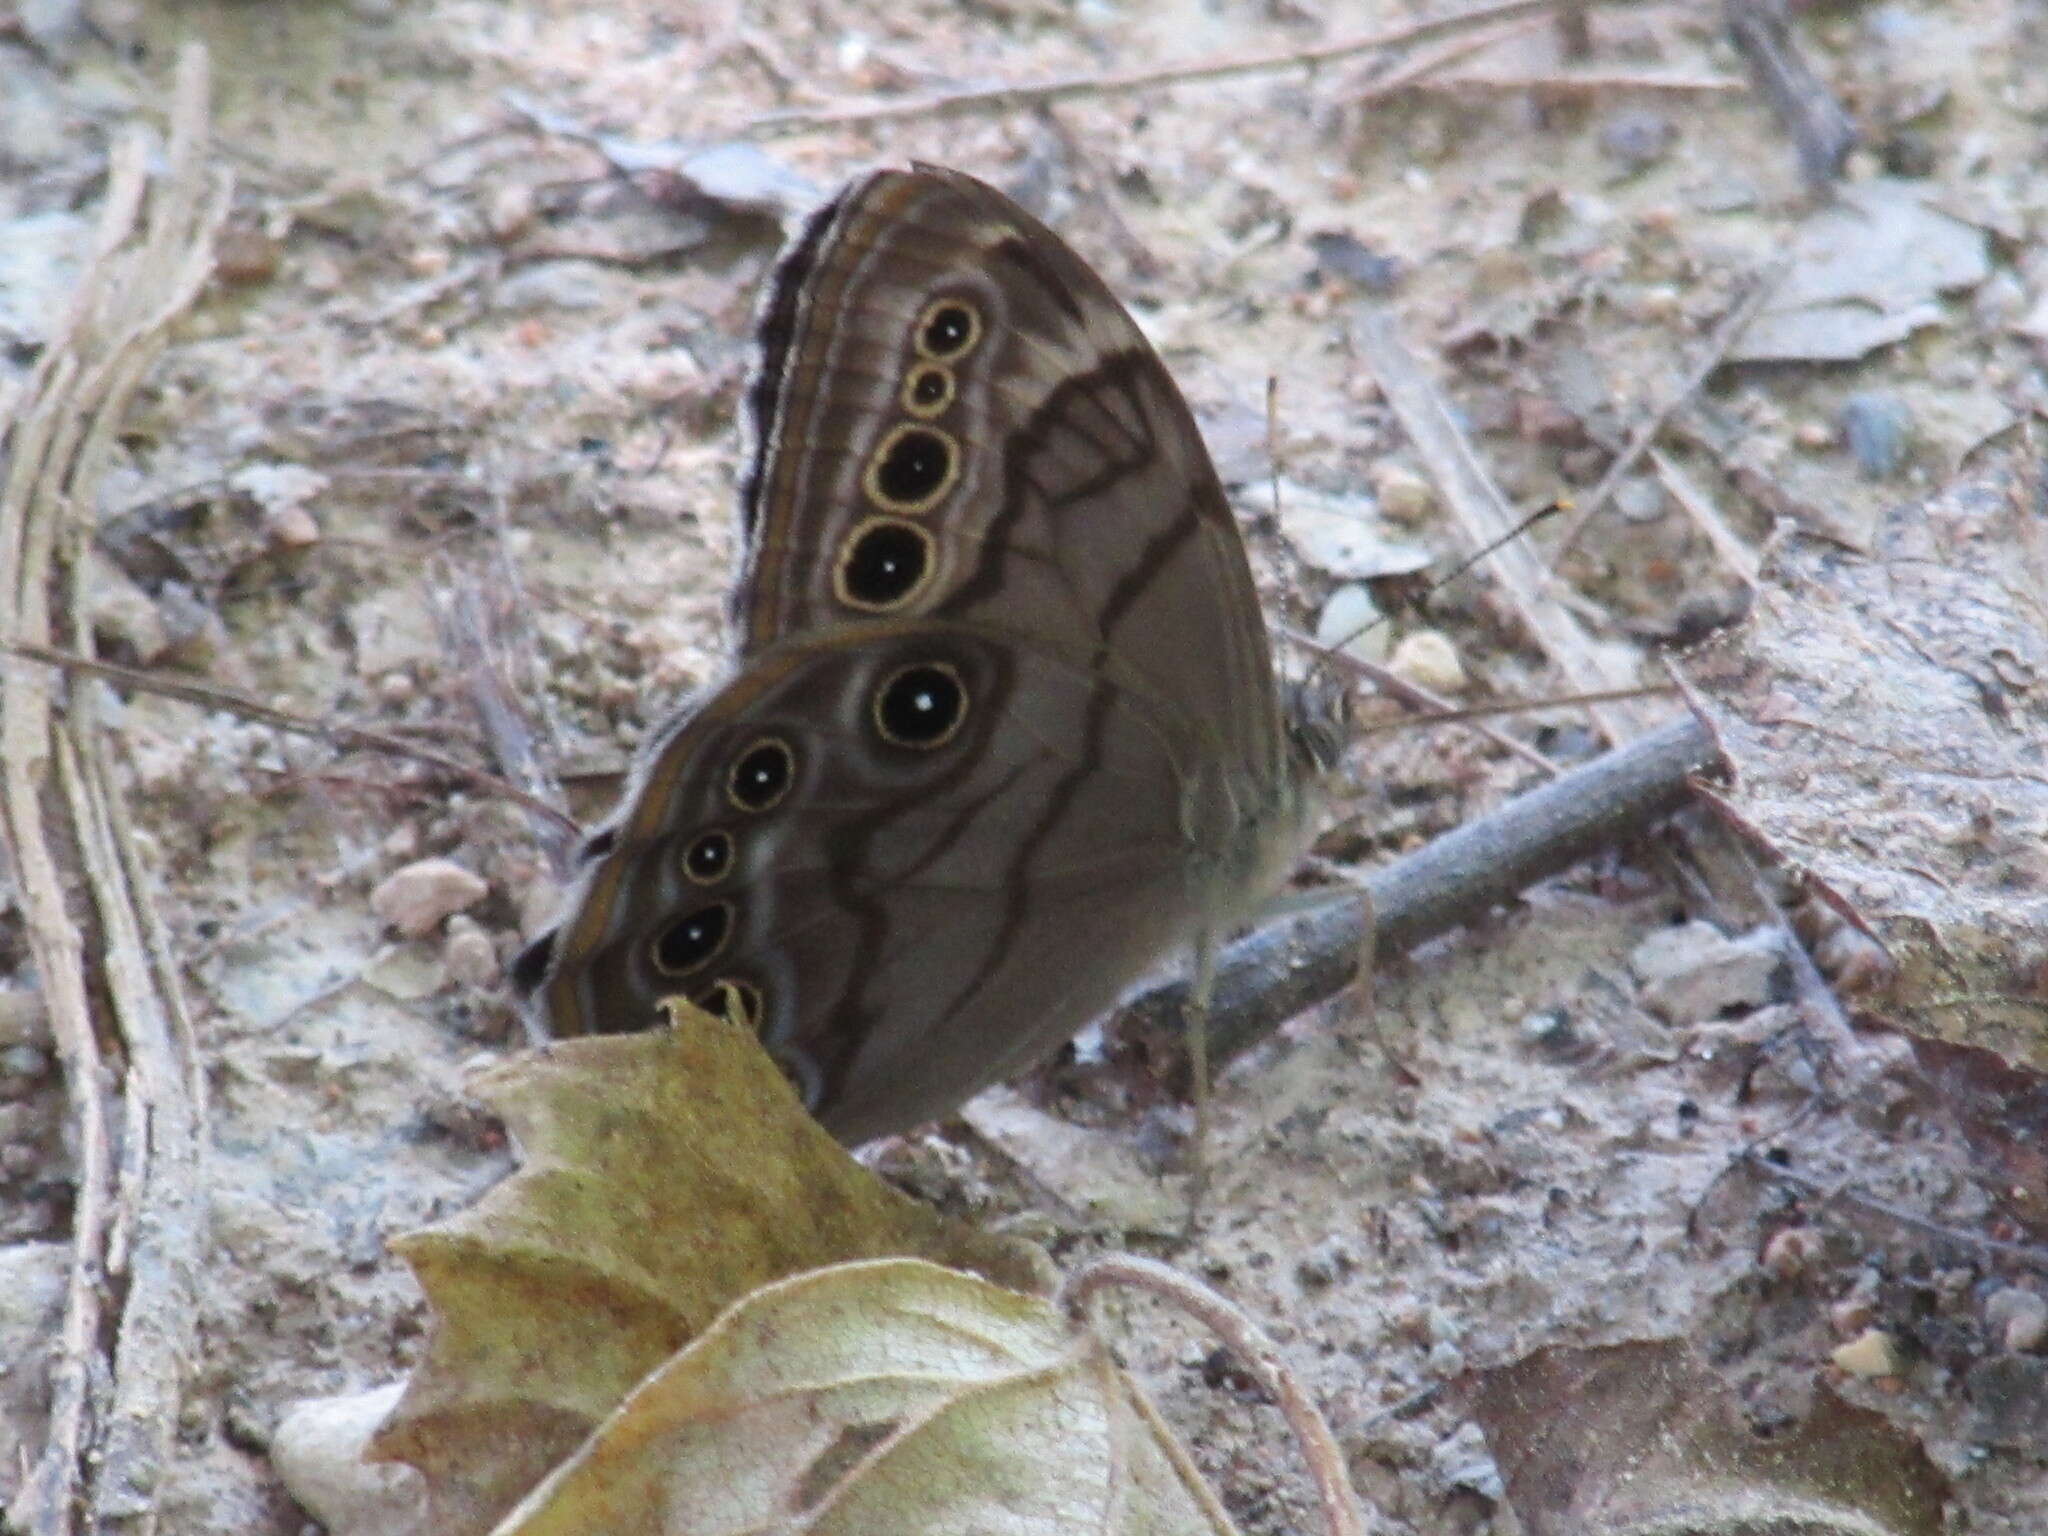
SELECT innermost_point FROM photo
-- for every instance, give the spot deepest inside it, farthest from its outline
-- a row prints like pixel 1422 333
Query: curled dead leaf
pixel 665 1175
pixel 890 1395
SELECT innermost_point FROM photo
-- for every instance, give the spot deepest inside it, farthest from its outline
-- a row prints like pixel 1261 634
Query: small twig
pixel 1574 29
pixel 2032 1255
pixel 1258 1354
pixel 1482 511
pixel 235 702
pixel 1284 968
pixel 1421 70
pixel 1006 98
pixel 1590 82
pixel 1698 506
pixel 1725 335
pixel 1821 131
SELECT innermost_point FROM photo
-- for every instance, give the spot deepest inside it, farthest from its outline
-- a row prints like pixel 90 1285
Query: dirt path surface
pixel 460 403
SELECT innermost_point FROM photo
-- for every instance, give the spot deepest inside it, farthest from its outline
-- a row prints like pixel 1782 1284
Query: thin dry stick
pixel 1478 504
pixel 1399 689
pixel 136 1223
pixel 2029 1254
pixel 1821 131
pixel 339 735
pixel 38 439
pixel 1259 1355
pixel 1416 71
pixel 1696 504
pixel 1280 970
pixel 1592 82
pixel 1725 335
pixel 1005 98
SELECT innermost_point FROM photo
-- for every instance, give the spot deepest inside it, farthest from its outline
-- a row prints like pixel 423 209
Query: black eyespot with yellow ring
pixel 928 391
pixel 884 564
pixel 761 775
pixel 708 859
pixel 693 940
pixel 948 330
pixel 921 706
pixel 911 469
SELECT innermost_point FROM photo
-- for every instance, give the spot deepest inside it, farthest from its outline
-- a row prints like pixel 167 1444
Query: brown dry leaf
pixel 1887 718
pixel 887 1396
pixel 665 1175
pixel 1644 1439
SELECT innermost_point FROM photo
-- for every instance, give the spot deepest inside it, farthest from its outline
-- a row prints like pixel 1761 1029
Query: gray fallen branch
pixel 1287 966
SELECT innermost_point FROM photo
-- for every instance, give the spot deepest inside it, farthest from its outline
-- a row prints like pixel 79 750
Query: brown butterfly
pixel 1004 729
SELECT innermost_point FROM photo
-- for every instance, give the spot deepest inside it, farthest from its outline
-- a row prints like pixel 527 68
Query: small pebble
pixel 244 254
pixel 1429 660
pixel 1549 1029
pixel 292 527
pixel 318 1449
pixel 1814 435
pixel 416 898
pixel 469 954
pixel 1641 499
pixel 1878 428
pixel 1404 496
pixel 1870 1353
pixel 1789 1253
pixel 1637 137
pixel 2019 1317
pixel 1351 622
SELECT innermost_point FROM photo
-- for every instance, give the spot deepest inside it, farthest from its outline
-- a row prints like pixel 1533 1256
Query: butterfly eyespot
pixel 884 565
pixel 597 845
pixel 921 705
pixel 691 941
pixel 912 469
pixel 762 775
pixel 948 329
pixel 928 391
pixel 737 1002
pixel 708 858
pixel 530 965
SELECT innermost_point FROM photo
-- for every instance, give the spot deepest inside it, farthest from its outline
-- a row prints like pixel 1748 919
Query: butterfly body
pixel 1003 732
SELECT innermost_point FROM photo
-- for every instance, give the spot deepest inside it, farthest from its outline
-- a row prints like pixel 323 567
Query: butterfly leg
pixel 1201 986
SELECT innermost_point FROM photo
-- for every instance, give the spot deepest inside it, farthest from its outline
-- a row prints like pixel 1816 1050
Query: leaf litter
pixel 1527 1174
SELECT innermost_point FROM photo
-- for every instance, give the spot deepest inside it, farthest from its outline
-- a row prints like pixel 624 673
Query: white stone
pixel 318 1452
pixel 1694 972
pixel 2019 1317
pixel 1870 1353
pixel 416 898
pixel 1429 660
pixel 1404 496
pixel 1351 622
pixel 469 955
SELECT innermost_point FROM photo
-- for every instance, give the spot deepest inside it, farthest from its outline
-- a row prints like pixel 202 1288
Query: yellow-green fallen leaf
pixel 664 1176
pixel 890 1396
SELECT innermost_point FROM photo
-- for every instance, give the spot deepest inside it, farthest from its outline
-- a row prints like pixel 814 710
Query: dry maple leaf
pixel 891 1396
pixel 664 1176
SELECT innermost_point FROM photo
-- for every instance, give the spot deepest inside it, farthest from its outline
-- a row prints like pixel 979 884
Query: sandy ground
pixel 451 360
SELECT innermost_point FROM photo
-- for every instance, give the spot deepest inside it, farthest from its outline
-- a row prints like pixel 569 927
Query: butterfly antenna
pixel 1328 650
